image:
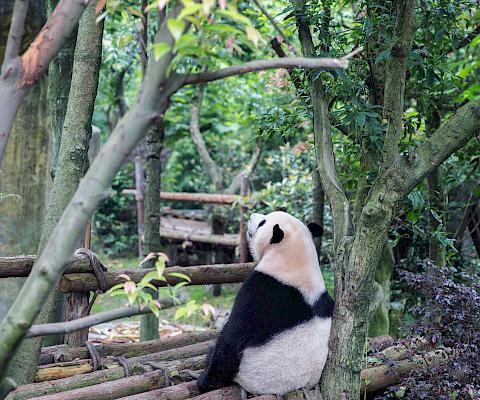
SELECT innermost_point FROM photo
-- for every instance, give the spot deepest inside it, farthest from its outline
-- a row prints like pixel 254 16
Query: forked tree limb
pixel 261 65
pixel 19 73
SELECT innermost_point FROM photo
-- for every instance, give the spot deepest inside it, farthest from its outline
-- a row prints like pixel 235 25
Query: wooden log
pixel 383 376
pixel 215 198
pixel 226 393
pixel 20 266
pixel 105 377
pixel 54 354
pixel 199 275
pixel 224 240
pixel 63 370
pixel 181 391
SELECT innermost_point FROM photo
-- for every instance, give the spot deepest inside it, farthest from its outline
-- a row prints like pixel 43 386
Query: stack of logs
pixel 166 368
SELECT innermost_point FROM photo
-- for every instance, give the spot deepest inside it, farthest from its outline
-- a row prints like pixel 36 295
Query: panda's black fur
pixel 263 308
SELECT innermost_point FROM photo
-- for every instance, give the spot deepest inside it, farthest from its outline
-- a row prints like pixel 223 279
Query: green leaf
pixel 189 8
pixel 176 28
pixel 223 28
pixel 160 49
pixel 181 312
pixel 154 309
pixel 160 267
pixel 151 276
pixel 180 275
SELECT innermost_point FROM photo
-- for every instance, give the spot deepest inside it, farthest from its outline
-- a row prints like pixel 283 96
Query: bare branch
pixel 236 183
pixel 16 31
pixel 56 328
pixel 394 92
pixel 120 92
pixel 260 65
pixel 211 167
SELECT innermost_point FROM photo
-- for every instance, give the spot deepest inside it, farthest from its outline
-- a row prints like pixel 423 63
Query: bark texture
pixel 59 78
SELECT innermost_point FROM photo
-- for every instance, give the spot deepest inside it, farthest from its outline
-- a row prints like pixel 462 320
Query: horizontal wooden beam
pixel 214 198
pixel 20 266
pixel 224 240
pixel 199 275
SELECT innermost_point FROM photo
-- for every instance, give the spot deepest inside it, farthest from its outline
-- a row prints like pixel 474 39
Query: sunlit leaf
pixel 160 49
pixel 176 28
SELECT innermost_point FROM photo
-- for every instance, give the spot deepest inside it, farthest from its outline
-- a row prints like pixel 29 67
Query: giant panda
pixel 276 338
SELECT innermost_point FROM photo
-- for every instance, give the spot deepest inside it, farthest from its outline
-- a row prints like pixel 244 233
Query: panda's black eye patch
pixel 261 223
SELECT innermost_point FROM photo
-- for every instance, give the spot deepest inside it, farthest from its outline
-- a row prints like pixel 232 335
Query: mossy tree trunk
pixel 24 183
pixel 73 152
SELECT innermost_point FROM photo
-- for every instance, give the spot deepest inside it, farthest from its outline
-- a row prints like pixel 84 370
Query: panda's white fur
pixel 276 338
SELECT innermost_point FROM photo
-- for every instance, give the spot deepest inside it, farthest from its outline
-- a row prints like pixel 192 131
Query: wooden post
pixel 243 220
pixel 139 197
pixel 77 304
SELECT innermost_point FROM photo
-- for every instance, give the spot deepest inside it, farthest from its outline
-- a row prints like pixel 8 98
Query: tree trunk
pixel 59 78
pixel 318 208
pixel 149 323
pixel 24 183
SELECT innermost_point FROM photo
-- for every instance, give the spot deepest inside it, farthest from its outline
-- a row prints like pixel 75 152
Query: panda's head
pixel 279 231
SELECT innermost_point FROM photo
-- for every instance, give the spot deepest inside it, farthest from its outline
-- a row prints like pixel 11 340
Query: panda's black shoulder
pixel 323 307
pixel 265 307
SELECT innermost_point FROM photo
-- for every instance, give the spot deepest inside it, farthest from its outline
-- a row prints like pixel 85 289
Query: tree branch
pixel 234 186
pixel 207 160
pixel 394 92
pixel 260 65
pixel 323 142
pixel 15 33
pixel 120 92
pixel 22 72
pixel 451 136
pixel 99 318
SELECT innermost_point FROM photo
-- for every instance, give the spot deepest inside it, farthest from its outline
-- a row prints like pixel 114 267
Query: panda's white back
pixel 291 360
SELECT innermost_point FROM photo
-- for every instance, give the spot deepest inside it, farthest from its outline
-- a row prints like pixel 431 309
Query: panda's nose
pixel 253 222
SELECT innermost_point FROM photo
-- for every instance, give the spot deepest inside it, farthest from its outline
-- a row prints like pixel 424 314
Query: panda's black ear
pixel 315 229
pixel 277 236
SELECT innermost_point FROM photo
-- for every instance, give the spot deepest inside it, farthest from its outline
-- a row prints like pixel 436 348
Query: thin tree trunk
pixel 73 155
pixel 59 79
pixel 149 323
pixel 24 181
